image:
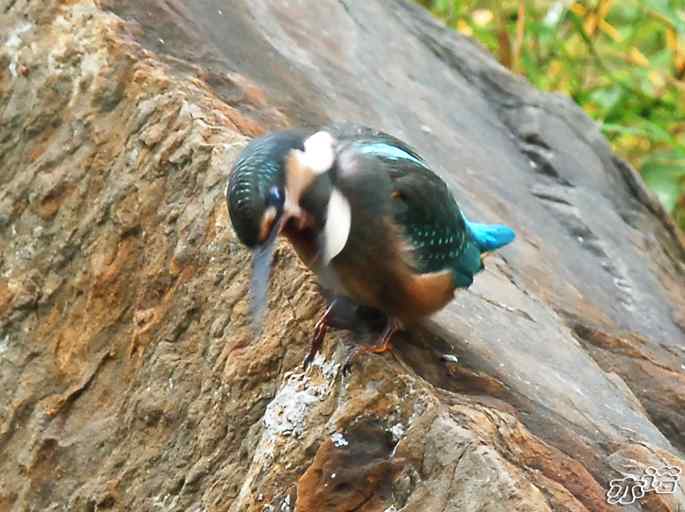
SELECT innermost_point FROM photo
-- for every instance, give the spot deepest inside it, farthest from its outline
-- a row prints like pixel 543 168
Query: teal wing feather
pixel 423 206
pixel 373 142
pixel 440 236
pixel 434 225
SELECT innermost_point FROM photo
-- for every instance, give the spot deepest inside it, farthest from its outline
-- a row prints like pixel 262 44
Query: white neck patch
pixel 319 152
pixel 337 228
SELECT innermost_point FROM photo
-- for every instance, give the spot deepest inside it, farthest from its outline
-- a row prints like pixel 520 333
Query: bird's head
pixel 256 186
pixel 256 199
pixel 265 192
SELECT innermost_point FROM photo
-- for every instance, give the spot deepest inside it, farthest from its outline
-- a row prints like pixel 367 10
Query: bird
pixel 256 201
pixel 366 213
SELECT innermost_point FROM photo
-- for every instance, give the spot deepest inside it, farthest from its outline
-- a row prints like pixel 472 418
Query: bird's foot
pixel 320 330
pixel 382 345
pixel 317 340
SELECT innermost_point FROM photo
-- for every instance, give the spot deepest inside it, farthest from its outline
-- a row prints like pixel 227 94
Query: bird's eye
pixel 275 196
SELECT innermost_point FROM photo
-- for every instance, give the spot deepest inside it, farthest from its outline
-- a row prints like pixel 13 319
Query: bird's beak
pixel 262 258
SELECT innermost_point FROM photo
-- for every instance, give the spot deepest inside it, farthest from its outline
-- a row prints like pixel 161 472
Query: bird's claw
pixel 347 364
pixel 383 346
pixel 320 330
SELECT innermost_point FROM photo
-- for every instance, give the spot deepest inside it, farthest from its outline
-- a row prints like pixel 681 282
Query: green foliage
pixel 622 61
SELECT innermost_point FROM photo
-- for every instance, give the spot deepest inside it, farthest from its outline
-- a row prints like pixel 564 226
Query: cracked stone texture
pixel 129 376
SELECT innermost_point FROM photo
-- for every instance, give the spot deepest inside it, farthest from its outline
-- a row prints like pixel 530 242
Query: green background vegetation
pixel 622 61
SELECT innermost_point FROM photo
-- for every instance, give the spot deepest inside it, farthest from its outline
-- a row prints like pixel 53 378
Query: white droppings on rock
pixel 26 251
pixel 13 43
pixel 287 412
pixel 92 63
pixel 328 369
pixel 166 503
pixel 62 23
pixel 92 58
pixel 397 432
pixel 4 344
pixel 339 440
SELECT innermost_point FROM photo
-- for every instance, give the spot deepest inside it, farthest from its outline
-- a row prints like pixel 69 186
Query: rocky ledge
pixel 129 376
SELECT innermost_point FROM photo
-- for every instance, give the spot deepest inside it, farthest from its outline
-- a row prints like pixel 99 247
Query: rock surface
pixel 129 376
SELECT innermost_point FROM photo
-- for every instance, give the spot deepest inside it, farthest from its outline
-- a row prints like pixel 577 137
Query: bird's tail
pixel 489 237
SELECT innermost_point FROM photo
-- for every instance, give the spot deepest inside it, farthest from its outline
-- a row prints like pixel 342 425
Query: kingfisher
pixel 365 212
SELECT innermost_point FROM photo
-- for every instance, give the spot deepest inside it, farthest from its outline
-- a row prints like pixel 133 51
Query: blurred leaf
pixel 622 61
pixel 666 179
pixel 667 12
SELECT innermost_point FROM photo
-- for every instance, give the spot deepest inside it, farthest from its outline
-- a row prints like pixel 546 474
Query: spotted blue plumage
pixel 440 236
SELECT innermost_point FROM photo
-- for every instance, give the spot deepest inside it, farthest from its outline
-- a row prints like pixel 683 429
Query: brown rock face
pixel 129 376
